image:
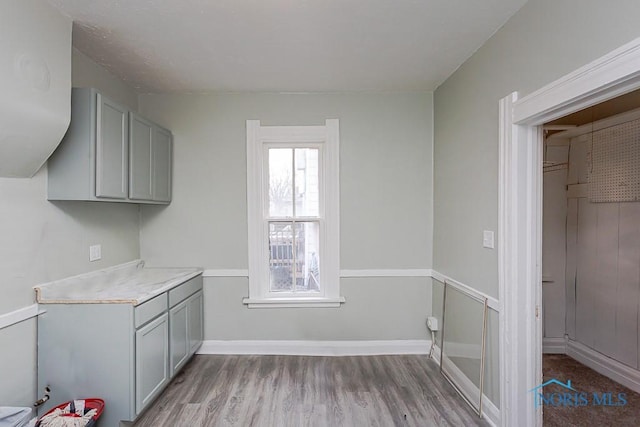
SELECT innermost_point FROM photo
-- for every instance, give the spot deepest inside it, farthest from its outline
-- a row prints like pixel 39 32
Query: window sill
pixel 300 302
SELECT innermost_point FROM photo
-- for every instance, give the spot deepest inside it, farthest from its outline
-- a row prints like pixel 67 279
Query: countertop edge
pixel 90 274
pixel 172 283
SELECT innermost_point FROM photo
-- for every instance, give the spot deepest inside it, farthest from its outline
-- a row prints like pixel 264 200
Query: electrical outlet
pixel 95 252
pixel 432 323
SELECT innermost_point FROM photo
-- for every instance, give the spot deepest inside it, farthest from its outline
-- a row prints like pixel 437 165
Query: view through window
pixel 294 219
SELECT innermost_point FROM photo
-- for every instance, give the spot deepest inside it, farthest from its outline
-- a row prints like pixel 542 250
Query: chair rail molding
pixel 17 316
pixel 376 272
pixel 398 272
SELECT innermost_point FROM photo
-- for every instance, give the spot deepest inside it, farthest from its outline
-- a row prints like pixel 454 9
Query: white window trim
pixel 329 136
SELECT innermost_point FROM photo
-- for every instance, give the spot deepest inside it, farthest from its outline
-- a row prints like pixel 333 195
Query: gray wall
pixel 386 208
pixel 43 241
pixel 86 73
pixel 379 308
pixel 545 40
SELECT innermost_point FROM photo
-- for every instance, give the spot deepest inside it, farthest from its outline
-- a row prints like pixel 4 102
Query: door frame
pixel 520 216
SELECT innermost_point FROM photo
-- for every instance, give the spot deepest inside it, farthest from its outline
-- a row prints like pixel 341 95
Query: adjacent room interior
pixel 591 253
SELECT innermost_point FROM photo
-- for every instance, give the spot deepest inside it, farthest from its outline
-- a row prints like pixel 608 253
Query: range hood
pixel 35 84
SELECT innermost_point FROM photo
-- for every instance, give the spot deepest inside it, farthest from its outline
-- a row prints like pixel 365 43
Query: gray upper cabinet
pixel 112 143
pixel 162 156
pixel 110 154
pixel 140 146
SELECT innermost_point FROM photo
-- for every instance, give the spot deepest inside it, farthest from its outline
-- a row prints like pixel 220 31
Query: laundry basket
pixel 67 415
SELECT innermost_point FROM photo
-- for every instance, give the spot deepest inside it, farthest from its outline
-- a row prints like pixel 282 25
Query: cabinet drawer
pixel 150 310
pixel 185 290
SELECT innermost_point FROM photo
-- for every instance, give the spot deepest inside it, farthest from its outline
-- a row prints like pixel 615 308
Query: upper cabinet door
pixel 111 149
pixel 140 162
pixel 162 155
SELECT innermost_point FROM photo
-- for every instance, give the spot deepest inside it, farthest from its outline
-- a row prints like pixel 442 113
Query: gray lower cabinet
pixel 179 336
pixel 121 353
pixel 196 329
pixel 186 330
pixel 152 360
pixel 110 154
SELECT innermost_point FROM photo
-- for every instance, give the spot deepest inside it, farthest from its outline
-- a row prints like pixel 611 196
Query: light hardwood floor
pixel 309 391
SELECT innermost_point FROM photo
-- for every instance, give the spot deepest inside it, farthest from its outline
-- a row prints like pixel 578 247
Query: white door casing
pixel 520 216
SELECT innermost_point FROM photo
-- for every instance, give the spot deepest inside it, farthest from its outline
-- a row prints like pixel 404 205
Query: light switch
pixel 95 252
pixel 487 239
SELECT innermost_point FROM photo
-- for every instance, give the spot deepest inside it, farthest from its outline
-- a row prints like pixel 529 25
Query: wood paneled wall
pixel 554 217
pixel 603 268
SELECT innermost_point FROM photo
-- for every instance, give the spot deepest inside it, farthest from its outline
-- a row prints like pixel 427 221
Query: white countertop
pixel 129 283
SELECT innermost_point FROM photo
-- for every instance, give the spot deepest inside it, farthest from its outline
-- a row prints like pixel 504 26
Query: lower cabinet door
pixel 179 341
pixel 196 328
pixel 152 360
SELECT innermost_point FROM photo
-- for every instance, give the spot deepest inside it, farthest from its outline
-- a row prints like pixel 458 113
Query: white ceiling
pixel 283 45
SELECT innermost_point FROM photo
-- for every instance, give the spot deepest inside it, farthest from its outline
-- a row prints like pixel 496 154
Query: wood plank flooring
pixel 309 391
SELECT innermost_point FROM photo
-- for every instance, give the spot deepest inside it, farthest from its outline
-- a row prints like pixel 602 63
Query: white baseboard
pixel 605 365
pixel 490 411
pixel 316 348
pixel 554 346
pixel 459 349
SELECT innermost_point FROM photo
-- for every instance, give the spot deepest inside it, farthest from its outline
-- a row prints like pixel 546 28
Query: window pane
pixel 281 256
pixel 307 243
pixel 294 263
pixel 307 185
pixel 280 182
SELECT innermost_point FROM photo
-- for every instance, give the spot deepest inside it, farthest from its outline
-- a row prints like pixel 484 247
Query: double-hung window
pixel 293 215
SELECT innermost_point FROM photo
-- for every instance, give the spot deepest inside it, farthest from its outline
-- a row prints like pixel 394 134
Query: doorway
pixel 520 216
pixel 591 262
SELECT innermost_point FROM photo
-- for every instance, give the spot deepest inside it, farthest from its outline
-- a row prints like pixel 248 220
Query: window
pixel 293 213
